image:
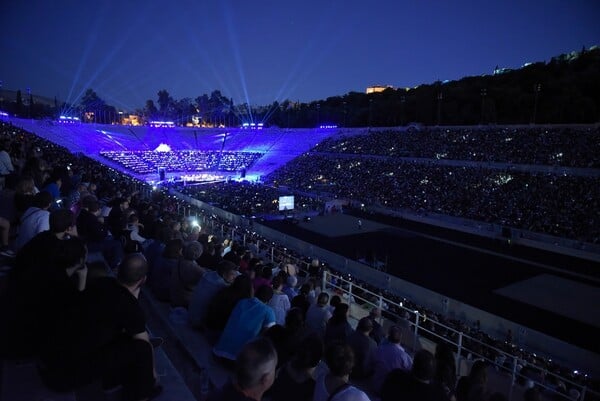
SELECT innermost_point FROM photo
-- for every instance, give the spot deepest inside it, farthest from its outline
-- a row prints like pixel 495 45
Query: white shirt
pixel 350 393
pixel 6 166
pixel 33 222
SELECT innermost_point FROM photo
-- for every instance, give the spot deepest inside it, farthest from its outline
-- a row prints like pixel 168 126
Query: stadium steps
pixel 187 347
pixel 21 381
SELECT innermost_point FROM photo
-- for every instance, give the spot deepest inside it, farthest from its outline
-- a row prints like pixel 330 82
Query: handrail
pixel 272 252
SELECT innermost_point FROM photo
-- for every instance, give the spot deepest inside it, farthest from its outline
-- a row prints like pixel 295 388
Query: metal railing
pixel 467 347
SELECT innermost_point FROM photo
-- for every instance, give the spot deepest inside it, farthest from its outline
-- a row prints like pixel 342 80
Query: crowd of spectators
pixel 559 205
pixel 565 146
pixel 148 162
pixel 82 327
pixel 248 198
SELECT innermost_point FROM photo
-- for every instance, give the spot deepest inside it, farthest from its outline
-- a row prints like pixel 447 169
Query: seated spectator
pixel 249 317
pixel 62 226
pixel 131 239
pixel 474 386
pixel 318 315
pixel 280 301
pixel 35 220
pixel 53 184
pixel 413 386
pixel 334 302
pixel 334 386
pixel 209 258
pixel 338 328
pixel 263 277
pixel 295 381
pixel 301 300
pixel 208 286
pixel 90 227
pixel 116 219
pixel 389 356
pixel 290 287
pixel 106 338
pixel 223 303
pixel 254 373
pixel 39 296
pixel 163 268
pixel 186 275
pixel 287 338
pixel 364 348
pixel 445 369
pixel 377 333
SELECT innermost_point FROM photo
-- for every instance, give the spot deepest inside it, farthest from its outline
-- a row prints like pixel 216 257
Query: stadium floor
pixel 551 293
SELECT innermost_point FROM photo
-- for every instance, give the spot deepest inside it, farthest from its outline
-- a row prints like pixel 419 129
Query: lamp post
pixel 483 95
pixel 370 112
pixel 536 88
pixel 345 113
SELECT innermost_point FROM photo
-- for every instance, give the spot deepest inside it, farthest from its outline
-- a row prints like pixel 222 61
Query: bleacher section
pixel 148 162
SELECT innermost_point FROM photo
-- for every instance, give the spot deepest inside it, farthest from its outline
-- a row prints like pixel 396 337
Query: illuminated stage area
pixel 194 154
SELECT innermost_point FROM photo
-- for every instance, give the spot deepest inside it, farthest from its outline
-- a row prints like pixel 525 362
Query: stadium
pixel 431 242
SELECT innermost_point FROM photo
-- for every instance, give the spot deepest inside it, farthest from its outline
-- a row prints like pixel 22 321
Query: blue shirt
pixel 247 320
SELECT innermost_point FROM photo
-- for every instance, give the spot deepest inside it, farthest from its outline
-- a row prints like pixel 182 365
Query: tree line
pixel 564 90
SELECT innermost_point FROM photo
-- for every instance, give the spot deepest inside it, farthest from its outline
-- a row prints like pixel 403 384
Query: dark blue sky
pixel 264 50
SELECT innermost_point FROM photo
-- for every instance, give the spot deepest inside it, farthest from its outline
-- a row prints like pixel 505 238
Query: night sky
pixel 258 51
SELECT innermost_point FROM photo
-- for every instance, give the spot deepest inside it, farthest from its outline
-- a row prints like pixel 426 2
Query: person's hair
pixel 42 199
pixel 132 269
pixel 323 298
pixel 335 301
pixel 264 293
pixel 294 319
pixel 225 267
pixel 395 334
pixel 256 359
pixel 478 374
pixel 267 272
pixel 60 220
pixel 192 250
pixel 291 281
pixel 242 286
pixel 69 253
pixel 365 325
pixel 89 201
pixel 276 282
pixel 25 185
pixel 423 365
pixel 173 248
pixel 305 289
pixel 339 358
pixel 339 314
pixel 133 218
pixel 310 352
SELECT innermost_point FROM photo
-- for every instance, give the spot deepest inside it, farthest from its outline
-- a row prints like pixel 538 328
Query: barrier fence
pixel 468 348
